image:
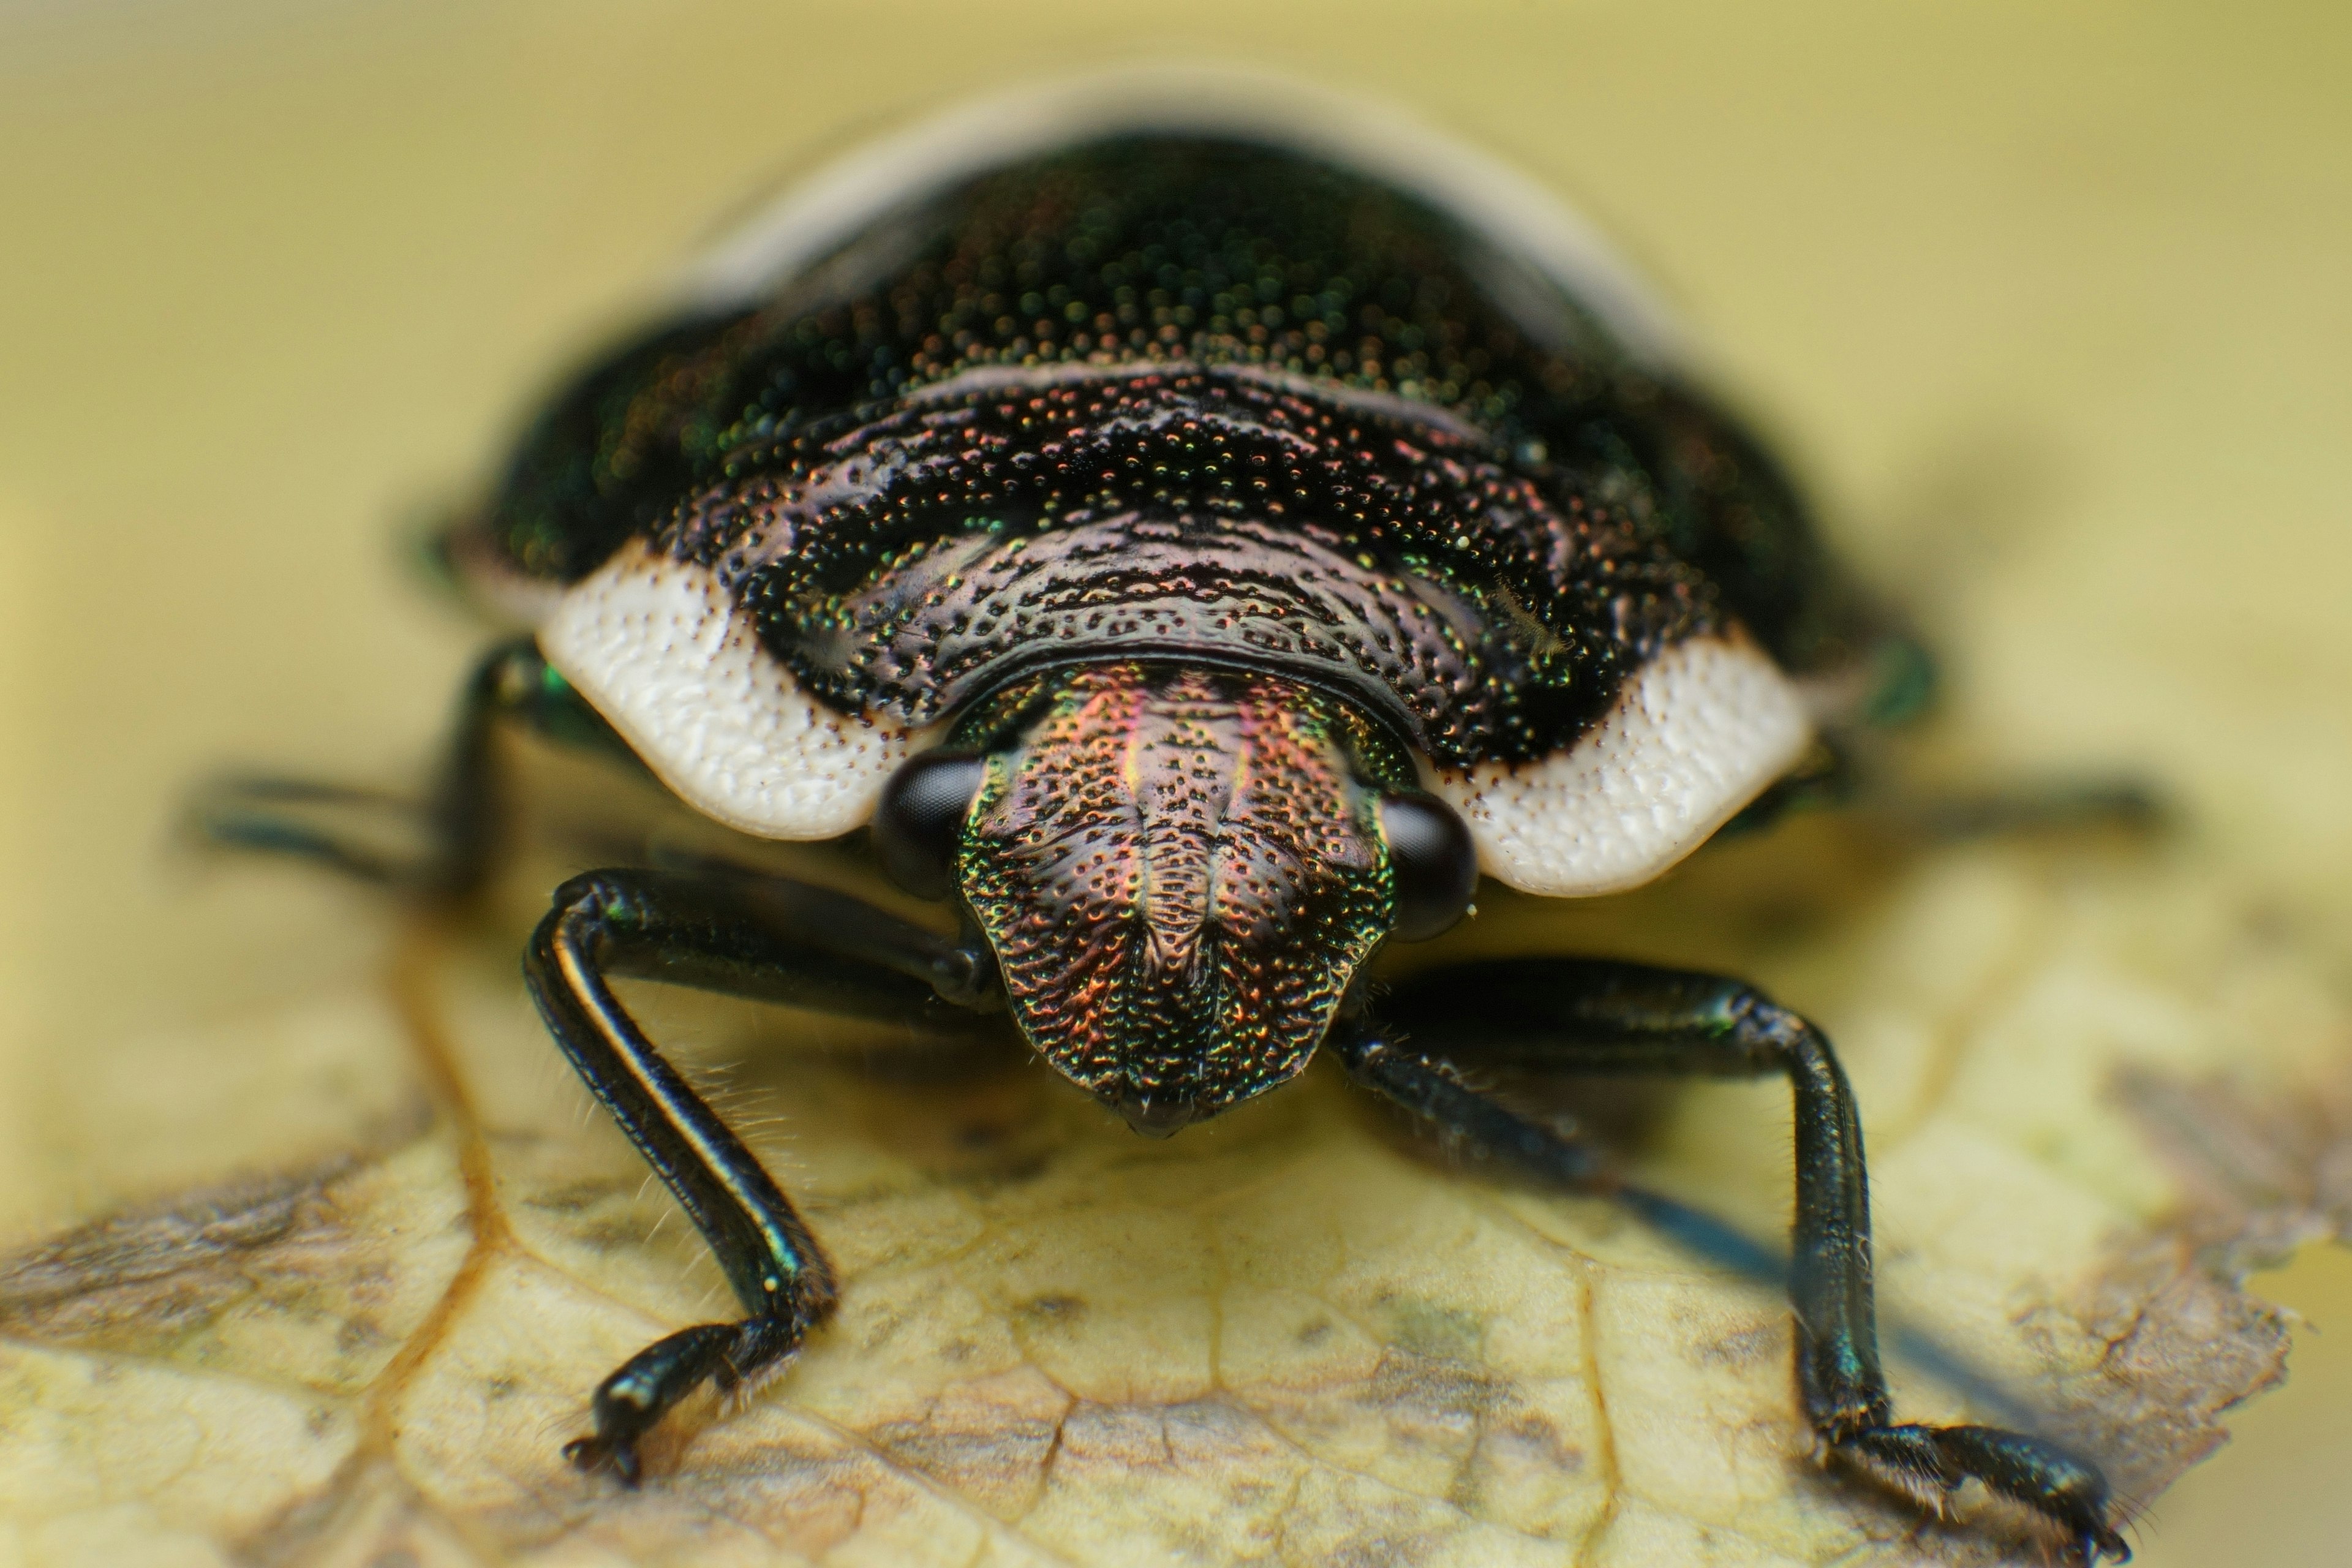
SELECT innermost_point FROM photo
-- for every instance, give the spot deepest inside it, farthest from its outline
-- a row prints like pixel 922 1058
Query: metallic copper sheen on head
pixel 1180 870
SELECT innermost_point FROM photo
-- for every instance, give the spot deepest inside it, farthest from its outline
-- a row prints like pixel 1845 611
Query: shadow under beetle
pixel 1196 555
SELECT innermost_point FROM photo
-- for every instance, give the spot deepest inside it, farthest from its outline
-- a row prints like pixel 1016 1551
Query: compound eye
pixel 1433 861
pixel 920 818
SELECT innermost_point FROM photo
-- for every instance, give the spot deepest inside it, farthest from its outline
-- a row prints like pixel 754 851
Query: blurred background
pixel 2047 303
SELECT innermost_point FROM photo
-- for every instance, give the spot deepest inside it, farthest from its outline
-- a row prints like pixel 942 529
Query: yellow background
pixel 2049 303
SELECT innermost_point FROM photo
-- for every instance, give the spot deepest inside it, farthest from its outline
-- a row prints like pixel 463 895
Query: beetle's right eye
pixel 920 816
pixel 1434 862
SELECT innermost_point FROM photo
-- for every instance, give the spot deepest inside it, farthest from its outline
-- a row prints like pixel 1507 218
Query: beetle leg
pixel 1838 775
pixel 763 938
pixel 371 835
pixel 450 835
pixel 1596 1017
pixel 2078 806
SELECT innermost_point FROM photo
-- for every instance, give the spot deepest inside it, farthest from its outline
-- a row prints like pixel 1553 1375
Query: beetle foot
pixel 613 1453
pixel 646 1386
pixel 1930 1463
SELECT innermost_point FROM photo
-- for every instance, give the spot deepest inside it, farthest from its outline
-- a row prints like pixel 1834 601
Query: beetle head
pixel 1180 871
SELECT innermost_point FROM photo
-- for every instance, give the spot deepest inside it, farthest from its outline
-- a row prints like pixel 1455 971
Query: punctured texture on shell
pixel 1180 871
pixel 661 650
pixel 1432 480
pixel 1692 736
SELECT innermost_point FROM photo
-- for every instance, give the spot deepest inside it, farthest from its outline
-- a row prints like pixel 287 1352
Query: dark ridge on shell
pixel 1587 511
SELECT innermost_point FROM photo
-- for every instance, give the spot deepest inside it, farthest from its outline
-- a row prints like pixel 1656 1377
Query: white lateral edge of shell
pixel 839 200
pixel 1696 735
pixel 663 652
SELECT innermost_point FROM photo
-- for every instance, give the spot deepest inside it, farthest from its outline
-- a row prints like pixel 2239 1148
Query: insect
pixel 1195 554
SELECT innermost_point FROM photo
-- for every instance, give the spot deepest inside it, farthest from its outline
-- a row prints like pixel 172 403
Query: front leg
pixel 753 936
pixel 1591 1016
pixel 437 847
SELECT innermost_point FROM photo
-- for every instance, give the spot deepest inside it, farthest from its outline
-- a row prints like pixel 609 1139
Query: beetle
pixel 1195 538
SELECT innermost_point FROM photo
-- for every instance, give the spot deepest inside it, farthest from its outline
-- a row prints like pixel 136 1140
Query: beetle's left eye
pixel 1433 861
pixel 920 814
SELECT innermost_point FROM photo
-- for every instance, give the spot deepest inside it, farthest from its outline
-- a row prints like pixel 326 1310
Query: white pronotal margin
pixel 1696 734
pixel 663 652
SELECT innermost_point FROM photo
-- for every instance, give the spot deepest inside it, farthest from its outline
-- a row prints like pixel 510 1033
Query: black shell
pixel 1162 393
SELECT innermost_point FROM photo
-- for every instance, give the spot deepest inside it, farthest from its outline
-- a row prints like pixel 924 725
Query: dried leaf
pixel 388 1254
